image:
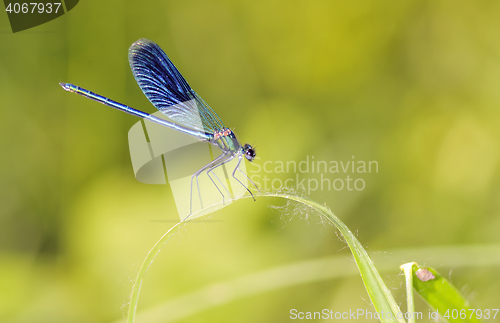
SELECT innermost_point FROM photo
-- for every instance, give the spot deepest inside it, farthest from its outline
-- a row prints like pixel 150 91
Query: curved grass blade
pixel 382 299
pixel 136 289
pixel 306 272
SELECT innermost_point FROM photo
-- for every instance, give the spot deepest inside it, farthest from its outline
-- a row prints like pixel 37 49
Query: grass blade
pixel 408 270
pixel 382 299
pixel 442 296
pixel 136 289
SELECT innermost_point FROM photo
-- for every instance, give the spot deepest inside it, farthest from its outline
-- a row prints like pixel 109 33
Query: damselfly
pixel 169 92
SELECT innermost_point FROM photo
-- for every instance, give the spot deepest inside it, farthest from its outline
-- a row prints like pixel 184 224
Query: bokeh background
pixel 413 85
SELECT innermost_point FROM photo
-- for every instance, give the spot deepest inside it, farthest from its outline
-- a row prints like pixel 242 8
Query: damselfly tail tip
pixel 65 86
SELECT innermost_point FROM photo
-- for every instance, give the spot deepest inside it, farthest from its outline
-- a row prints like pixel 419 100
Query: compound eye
pixel 250 154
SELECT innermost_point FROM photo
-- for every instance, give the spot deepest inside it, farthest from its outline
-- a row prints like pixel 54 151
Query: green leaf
pixel 442 296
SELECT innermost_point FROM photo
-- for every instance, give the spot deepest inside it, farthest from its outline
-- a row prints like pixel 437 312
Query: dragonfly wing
pixel 167 90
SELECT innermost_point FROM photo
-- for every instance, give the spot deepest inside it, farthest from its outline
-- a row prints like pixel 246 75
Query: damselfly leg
pixel 195 176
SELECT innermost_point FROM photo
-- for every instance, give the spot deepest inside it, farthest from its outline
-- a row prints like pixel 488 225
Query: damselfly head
pixel 249 152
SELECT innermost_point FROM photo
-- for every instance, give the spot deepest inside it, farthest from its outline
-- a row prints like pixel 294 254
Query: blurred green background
pixel 413 85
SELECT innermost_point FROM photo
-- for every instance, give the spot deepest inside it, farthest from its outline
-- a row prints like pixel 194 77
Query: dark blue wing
pixel 167 90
